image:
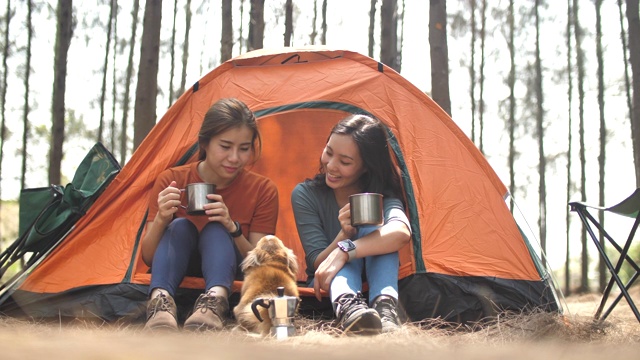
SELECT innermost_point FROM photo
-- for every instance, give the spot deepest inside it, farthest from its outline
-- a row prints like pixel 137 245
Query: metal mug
pixel 366 209
pixel 196 194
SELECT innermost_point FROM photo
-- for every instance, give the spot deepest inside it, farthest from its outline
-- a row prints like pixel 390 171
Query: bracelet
pixel 238 231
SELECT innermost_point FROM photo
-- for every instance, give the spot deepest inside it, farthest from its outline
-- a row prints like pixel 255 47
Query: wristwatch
pixel 349 247
pixel 238 231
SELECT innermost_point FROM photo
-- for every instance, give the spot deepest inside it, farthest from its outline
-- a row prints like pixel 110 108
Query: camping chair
pixel 629 207
pixel 48 214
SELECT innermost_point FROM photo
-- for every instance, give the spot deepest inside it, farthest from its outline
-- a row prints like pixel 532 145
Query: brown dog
pixel 268 266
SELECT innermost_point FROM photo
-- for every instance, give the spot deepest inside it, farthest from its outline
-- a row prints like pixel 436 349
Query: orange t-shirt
pixel 252 199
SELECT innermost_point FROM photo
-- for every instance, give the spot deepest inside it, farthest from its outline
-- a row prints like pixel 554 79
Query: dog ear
pixel 253 259
pixel 292 262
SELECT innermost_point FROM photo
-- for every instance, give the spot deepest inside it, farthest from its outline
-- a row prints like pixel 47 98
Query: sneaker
pixel 387 308
pixel 354 316
pixel 209 313
pixel 161 313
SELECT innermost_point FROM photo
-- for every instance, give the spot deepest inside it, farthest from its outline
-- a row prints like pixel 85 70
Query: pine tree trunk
pixel 147 89
pixel 483 31
pixel 602 270
pixel 63 40
pixel 584 258
pixel 125 101
pixel 172 53
pixel 634 55
pixel 512 105
pixel 226 36
pixel 114 88
pixel 314 31
pixel 567 261
pixel 323 35
pixel 105 68
pixel 372 27
pixel 400 25
pixel 625 61
pixel 185 47
pixel 439 54
pixel 3 89
pixel 472 70
pixel 256 25
pixel 542 160
pixel 389 33
pixel 288 22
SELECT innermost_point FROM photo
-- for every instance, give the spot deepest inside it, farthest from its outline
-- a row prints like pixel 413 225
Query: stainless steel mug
pixel 366 209
pixel 196 194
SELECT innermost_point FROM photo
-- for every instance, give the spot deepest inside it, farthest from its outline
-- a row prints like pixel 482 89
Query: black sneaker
pixel 387 308
pixel 355 317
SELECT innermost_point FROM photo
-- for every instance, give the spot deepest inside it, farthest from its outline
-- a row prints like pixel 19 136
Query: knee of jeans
pixel 214 228
pixel 183 225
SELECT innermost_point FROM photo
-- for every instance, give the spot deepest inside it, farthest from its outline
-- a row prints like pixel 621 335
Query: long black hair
pixel 370 136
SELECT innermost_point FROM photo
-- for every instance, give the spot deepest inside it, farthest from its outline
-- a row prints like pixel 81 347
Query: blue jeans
pixel 381 273
pixel 181 247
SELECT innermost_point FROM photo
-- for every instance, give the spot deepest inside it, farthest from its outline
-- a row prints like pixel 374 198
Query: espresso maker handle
pixel 254 307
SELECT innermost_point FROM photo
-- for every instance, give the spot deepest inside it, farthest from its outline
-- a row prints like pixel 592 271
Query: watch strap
pixel 349 249
pixel 238 231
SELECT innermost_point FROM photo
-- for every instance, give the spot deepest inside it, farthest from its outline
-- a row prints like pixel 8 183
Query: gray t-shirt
pixel 316 213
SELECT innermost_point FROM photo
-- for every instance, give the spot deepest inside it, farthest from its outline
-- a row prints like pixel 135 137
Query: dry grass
pixel 535 336
pixel 571 336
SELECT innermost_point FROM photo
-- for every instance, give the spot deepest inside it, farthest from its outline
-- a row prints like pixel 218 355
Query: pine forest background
pixel 545 89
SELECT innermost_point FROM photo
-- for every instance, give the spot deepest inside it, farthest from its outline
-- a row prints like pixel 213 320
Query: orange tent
pixel 467 250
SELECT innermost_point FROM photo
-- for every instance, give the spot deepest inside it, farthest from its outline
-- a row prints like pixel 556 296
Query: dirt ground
pixel 538 336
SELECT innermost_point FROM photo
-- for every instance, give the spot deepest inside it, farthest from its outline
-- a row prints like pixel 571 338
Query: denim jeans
pixel 182 247
pixel 381 273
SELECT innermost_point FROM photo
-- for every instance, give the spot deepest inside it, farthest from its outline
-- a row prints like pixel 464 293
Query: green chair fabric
pixel 47 214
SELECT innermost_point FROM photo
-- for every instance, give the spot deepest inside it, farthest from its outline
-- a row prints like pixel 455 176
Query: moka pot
pixel 282 310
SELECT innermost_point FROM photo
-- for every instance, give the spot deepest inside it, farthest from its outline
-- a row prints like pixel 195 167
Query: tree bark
pixel 125 101
pixel 602 270
pixel 323 35
pixel 634 57
pixel 472 70
pixel 114 94
pixel 288 22
pixel 3 96
pixel 439 54
pixel 147 89
pixel 372 27
pixel 542 160
pixel 483 32
pixel 584 259
pixel 105 68
pixel 389 33
pixel 63 40
pixel 172 52
pixel 185 47
pixel 512 103
pixel 226 35
pixel 314 31
pixel 567 261
pixel 256 25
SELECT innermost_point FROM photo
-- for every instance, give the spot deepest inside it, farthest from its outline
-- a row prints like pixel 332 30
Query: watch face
pixel 346 245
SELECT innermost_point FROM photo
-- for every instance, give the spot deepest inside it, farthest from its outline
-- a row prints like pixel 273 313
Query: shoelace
pixel 162 304
pixel 347 305
pixel 207 302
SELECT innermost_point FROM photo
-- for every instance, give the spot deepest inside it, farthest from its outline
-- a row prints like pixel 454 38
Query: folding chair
pixel 629 207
